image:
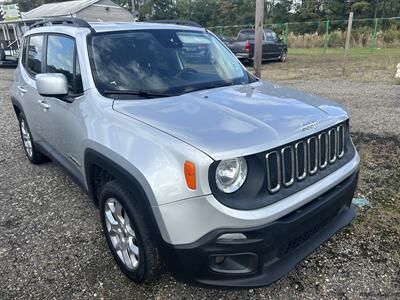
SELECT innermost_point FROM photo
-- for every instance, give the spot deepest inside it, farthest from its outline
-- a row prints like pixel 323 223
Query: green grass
pixel 353 52
pixel 364 65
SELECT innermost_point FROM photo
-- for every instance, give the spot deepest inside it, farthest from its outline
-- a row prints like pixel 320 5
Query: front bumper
pixel 270 251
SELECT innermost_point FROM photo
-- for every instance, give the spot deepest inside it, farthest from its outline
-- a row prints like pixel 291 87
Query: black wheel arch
pixel 94 159
pixel 16 106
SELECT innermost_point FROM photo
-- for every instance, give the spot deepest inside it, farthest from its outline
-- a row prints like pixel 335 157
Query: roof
pixel 59 9
pixel 106 27
pixel 110 27
pixel 253 30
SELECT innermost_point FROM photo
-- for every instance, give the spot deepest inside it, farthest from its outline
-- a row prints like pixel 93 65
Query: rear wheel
pixel 31 152
pixel 2 55
pixel 128 234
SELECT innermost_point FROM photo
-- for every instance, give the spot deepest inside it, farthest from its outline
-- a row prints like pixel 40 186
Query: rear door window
pixel 35 54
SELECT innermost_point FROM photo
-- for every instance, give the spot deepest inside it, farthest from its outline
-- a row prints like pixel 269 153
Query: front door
pixel 65 112
pixel 270 45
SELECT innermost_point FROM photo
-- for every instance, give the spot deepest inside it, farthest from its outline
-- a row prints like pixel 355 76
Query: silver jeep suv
pixel 193 162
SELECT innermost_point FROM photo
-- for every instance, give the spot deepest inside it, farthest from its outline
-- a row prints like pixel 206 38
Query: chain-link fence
pixel 325 34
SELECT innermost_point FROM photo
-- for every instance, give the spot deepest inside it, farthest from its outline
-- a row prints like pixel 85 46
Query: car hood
pixel 236 120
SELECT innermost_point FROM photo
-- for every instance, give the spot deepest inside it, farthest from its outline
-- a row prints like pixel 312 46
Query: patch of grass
pixel 379 182
pixel 356 52
pixel 364 65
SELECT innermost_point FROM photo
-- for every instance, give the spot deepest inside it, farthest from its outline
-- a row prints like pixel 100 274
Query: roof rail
pixel 177 22
pixel 70 21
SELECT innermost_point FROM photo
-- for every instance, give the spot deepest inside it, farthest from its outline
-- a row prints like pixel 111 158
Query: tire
pixel 249 63
pixel 2 55
pixel 147 267
pixel 34 155
pixel 283 56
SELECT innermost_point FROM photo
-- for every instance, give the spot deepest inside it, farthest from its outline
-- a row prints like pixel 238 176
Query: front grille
pixel 297 161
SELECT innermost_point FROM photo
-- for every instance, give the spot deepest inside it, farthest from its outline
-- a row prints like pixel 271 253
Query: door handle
pixel 44 104
pixel 22 89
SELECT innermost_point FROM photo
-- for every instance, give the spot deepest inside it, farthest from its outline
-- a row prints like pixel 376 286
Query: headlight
pixel 231 174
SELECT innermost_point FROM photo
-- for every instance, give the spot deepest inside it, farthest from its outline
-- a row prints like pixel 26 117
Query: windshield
pixel 161 62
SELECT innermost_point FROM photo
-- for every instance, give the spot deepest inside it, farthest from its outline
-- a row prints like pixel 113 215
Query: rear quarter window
pixel 35 54
pixel 23 52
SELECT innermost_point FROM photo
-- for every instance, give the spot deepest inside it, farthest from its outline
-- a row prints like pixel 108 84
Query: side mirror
pixel 52 84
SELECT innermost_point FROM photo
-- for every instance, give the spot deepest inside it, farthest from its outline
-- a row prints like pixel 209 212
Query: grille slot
pixel 294 162
pixel 274 171
pixel 332 145
pixel 341 141
pixel 301 160
pixel 323 150
pixel 312 155
pixel 288 165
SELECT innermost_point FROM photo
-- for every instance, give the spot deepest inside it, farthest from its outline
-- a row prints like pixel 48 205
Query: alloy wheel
pixel 26 139
pixel 283 56
pixel 121 234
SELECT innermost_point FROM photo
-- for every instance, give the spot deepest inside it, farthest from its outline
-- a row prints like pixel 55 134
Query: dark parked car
pixel 243 46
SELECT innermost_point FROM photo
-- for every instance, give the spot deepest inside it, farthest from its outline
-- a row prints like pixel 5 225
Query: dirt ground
pixel 52 245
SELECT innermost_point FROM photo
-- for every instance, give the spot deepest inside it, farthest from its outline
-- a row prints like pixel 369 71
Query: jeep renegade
pixel 193 162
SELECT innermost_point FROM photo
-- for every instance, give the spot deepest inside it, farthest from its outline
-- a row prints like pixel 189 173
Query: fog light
pixel 231 237
pixel 219 259
pixel 234 263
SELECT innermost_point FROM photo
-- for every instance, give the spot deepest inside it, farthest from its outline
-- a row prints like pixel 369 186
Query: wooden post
pixel 258 39
pixel 347 46
pixel 326 38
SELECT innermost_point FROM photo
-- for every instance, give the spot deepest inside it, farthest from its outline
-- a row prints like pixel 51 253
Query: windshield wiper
pixel 146 94
pixel 209 86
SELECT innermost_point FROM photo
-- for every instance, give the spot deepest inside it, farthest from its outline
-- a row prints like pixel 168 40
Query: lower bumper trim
pixel 279 245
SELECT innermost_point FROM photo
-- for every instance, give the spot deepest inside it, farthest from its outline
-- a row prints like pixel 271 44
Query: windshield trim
pixel 89 40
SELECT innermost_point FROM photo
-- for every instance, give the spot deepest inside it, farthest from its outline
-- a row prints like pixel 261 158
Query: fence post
pixel 286 33
pixel 347 46
pixel 373 42
pixel 326 36
pixel 258 37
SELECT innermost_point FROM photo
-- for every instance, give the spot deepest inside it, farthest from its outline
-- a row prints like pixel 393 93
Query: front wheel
pixel 127 233
pixel 283 56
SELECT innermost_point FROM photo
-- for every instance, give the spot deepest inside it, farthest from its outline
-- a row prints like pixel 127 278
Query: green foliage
pixel 212 13
pixel 360 6
pixel 361 36
pixel 336 39
pixel 391 35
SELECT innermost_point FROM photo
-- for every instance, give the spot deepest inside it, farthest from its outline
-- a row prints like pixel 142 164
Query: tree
pixel 241 12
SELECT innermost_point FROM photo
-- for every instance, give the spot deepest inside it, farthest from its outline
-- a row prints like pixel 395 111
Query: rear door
pixel 274 49
pixel 33 104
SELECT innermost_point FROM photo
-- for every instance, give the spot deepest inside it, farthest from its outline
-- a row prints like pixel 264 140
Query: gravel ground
pixel 52 245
